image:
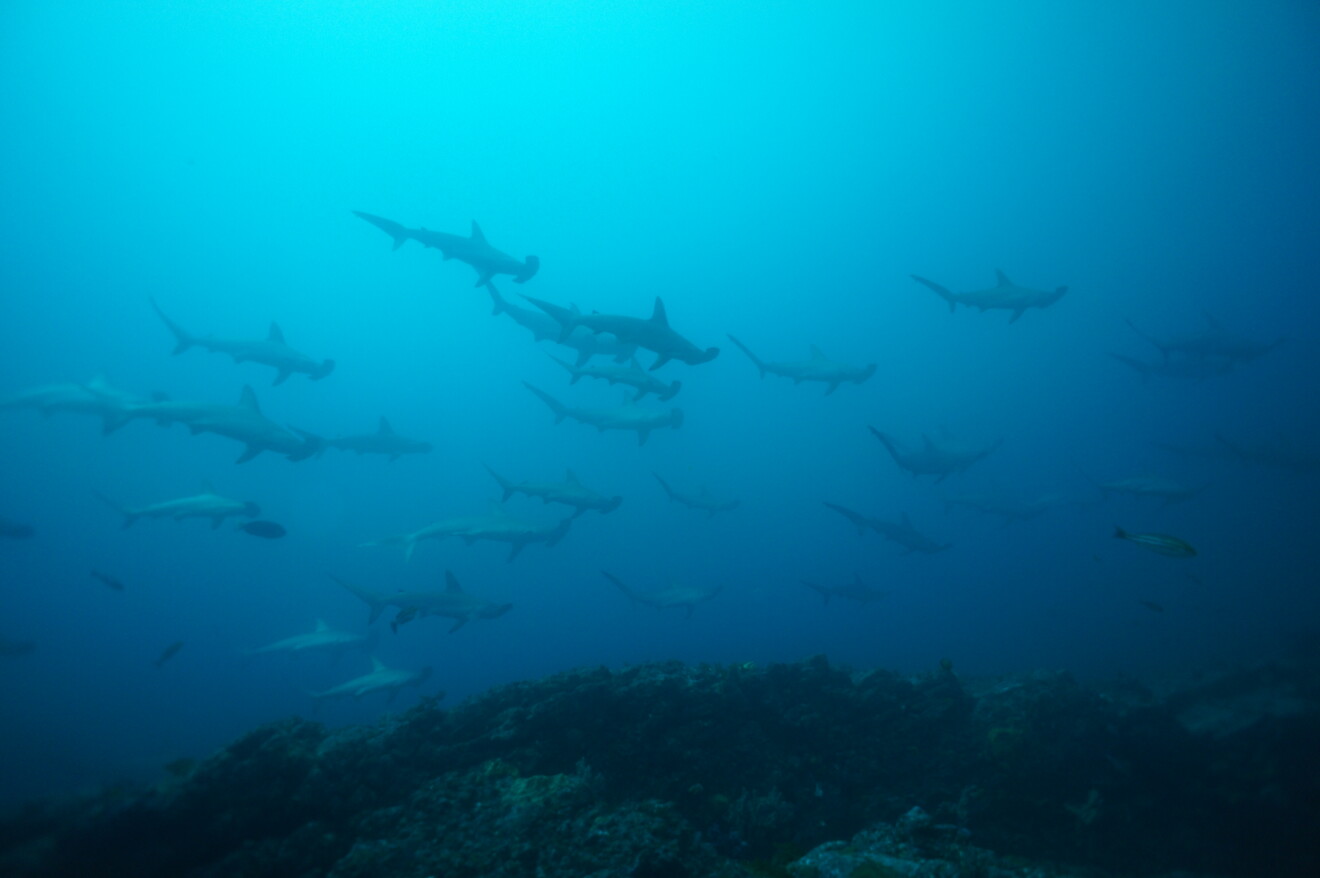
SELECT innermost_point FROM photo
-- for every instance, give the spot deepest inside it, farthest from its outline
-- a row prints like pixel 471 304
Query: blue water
pixel 774 171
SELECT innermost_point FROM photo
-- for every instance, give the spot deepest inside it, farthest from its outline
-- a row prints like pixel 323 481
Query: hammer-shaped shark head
pixel 532 265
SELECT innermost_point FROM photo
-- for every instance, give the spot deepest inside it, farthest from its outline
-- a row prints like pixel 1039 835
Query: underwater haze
pixel 824 182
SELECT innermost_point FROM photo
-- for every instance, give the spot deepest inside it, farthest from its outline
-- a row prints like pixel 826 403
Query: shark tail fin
pixel 397 232
pixel 182 340
pixel 748 351
pixel 505 485
pixel 942 292
pixel 129 515
pixel 620 585
pixel 372 600
pixel 560 410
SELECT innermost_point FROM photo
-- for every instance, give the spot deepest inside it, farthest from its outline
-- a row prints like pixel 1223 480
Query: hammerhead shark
pixel 1215 342
pixel 1004 295
pixel 632 375
pixel 1280 453
pixel 452 603
pixel 243 422
pixel 270 351
pixel 516 532
pixel 685 596
pixel 95 397
pixel 322 639
pixel 626 417
pixel 383 441
pixel 652 333
pixel 935 459
pixel 545 328
pixel 1192 368
pixel 438 531
pixel 207 504
pixel 702 500
pixel 819 368
pixel 854 591
pixel 570 492
pixel 901 532
pixel 1149 486
pixel 473 249
pixel 381 679
pixel 1008 508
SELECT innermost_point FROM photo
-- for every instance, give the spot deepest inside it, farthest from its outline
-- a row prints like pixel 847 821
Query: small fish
pixel 109 580
pixel 1152 606
pixel 267 530
pixel 405 616
pixel 169 653
pixel 1161 543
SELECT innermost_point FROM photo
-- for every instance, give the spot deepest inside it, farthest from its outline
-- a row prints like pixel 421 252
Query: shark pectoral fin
pixel 281 377
pixel 514 550
pixel 642 436
pixel 688 611
pixel 459 624
pixel 484 278
pixel 660 360
pixel 250 452
pixel 1016 314
pixel 216 521
pixel 834 385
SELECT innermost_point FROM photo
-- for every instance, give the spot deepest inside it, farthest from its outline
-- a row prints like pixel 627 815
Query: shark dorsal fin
pixel 571 477
pixel 476 233
pixel 321 626
pixel 816 354
pixel 376 665
pixel 451 583
pixel 247 399
pixel 275 335
pixel 385 428
pixel 207 487
pixel 658 315
pixel 1002 278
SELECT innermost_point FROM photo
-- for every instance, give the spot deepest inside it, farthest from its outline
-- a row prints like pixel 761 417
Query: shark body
pixel 472 249
pixel 626 417
pixel 685 596
pixel 1280 453
pixel 1188 368
pixel 631 374
pixel 545 328
pixel 270 351
pixel 701 500
pixel 322 639
pixel 570 492
pixel 206 504
pixel 452 603
pixel 242 422
pixel 653 333
pixel 96 397
pixel 1004 295
pixel 1150 487
pixel 853 591
pixel 15 530
pixel 934 459
pixel 819 368
pixel 1214 342
pixel 901 532
pixel 438 531
pixel 517 533
pixel 384 441
pixel 381 679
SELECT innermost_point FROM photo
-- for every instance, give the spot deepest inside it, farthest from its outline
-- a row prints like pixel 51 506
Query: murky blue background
pixel 775 171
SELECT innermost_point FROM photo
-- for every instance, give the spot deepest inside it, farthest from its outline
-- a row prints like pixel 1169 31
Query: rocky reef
pixel 804 770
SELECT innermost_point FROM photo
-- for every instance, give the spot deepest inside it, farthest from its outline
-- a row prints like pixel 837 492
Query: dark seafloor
pixel 804 770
